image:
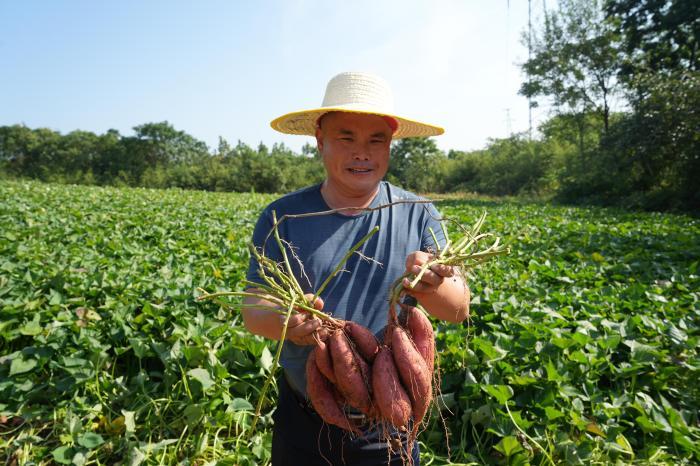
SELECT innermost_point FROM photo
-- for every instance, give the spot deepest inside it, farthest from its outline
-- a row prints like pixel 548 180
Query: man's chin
pixel 366 186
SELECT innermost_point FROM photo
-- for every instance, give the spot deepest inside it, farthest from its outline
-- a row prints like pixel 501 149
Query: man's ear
pixel 319 139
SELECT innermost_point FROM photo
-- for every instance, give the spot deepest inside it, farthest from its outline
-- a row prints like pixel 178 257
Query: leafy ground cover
pixel 583 347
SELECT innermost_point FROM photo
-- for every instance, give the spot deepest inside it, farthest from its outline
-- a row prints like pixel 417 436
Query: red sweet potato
pixel 352 373
pixel 338 397
pixel 421 331
pixel 324 361
pixel 413 372
pixel 364 340
pixel 390 398
pixel 320 393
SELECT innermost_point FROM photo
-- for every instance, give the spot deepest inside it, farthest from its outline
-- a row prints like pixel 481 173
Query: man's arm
pixel 267 323
pixel 442 290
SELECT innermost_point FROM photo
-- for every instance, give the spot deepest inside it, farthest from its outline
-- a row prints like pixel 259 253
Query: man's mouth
pixel 359 170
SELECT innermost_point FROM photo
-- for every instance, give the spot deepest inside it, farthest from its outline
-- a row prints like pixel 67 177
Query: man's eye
pixel 348 139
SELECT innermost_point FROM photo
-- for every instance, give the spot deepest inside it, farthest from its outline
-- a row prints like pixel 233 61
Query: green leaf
pixel 624 444
pixel 598 257
pixel 129 421
pixel 79 459
pixel 241 404
pixel 553 374
pixel 646 424
pixel 193 414
pixel 201 376
pixel 32 327
pixel 136 457
pixel 140 348
pixel 661 421
pixel 90 440
pixel 491 351
pixel 501 392
pixel 20 365
pixel 508 446
pixel 552 413
pixel 64 454
pixel 593 428
pixel 266 359
pixel 657 297
pixel 481 415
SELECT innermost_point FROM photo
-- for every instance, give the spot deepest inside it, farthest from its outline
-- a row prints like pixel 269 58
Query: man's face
pixel 355 151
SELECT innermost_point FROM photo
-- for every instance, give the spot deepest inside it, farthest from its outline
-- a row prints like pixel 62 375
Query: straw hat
pixel 357 93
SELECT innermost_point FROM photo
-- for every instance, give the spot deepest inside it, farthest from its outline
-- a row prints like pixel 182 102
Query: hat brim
pixel 304 122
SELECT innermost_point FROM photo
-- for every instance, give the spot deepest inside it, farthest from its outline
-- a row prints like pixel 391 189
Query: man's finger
pixel 317 304
pixel 323 334
pixel 419 288
pixel 305 328
pixel 407 285
pixel 307 333
pixel 295 319
pixel 429 276
pixel 443 270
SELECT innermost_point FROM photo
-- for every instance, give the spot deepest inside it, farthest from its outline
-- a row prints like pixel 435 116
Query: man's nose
pixel 362 152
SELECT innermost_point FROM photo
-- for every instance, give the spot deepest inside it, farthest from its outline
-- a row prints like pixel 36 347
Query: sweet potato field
pixel 582 347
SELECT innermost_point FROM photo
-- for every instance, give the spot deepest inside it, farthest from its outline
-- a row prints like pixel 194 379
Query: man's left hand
pixel 431 279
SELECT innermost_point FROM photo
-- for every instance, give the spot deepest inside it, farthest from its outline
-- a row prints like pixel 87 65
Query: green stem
pixel 551 461
pixel 443 253
pixel 275 361
pixel 294 281
pixel 271 298
pixel 432 233
pixel 443 225
pixel 344 260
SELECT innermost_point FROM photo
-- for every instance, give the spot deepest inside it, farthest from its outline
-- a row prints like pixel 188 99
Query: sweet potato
pixel 390 398
pixel 364 340
pixel 413 372
pixel 320 393
pixel 421 331
pixel 324 362
pixel 338 397
pixel 352 373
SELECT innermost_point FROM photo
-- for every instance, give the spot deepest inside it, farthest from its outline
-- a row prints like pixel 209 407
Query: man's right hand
pixel 301 328
pixel 303 325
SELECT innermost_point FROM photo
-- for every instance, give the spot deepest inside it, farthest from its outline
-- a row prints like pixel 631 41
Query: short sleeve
pixel 260 235
pixel 432 222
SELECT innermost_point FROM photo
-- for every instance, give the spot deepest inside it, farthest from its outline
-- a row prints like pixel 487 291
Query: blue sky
pixel 226 68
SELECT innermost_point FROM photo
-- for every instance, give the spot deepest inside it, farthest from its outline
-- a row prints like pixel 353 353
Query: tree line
pixel 642 55
pixel 621 76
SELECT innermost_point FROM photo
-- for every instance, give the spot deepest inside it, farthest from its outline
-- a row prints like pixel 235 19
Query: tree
pixel 417 164
pixel 658 144
pixel 224 148
pixel 310 150
pixel 31 152
pixel 575 61
pixel 657 35
pixel 161 143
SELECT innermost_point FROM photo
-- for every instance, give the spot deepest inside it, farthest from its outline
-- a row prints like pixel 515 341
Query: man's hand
pixel 431 279
pixel 303 325
pixel 441 290
pixel 300 330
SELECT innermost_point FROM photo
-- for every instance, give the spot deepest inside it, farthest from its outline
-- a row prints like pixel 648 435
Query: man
pixel 353 128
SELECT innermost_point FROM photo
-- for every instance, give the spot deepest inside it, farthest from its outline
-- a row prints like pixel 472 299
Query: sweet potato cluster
pixel 390 382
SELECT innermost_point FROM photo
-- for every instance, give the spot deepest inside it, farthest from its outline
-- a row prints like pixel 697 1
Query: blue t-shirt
pixel 361 292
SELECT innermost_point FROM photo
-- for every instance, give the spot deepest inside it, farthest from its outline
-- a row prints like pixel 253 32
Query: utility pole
pixel 529 57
